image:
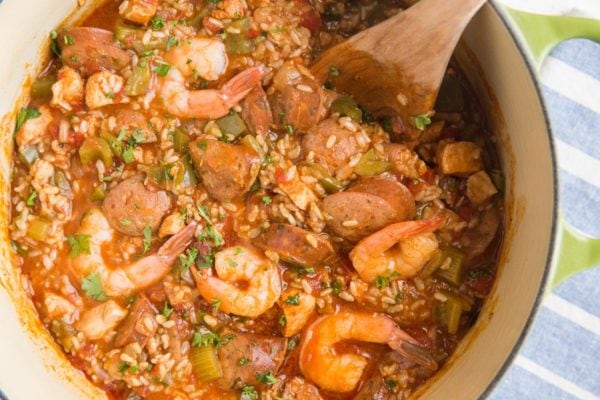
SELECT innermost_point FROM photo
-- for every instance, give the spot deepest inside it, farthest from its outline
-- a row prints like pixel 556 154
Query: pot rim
pixel 553 244
pixel 552 253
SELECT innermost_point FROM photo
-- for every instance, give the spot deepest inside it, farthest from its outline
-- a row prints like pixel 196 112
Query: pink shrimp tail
pixel 240 85
pixel 177 244
pixel 387 237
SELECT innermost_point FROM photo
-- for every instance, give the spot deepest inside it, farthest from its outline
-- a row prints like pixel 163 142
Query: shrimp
pixel 97 322
pixel 204 57
pixel 177 100
pixel 140 274
pixel 340 372
pixel 401 249
pixel 259 278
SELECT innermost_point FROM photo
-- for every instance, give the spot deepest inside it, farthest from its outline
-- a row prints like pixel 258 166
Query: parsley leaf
pixel 282 320
pixel 243 361
pixel 92 287
pixel 205 339
pixel 293 300
pixel 381 281
pixel 248 391
pixel 334 71
pixel 25 114
pixel 79 243
pixel 266 200
pixel 162 69
pixel 188 258
pixel 167 310
pixel 31 199
pixel 157 23
pixel 421 121
pixel 172 42
pixel 147 238
pixel 267 378
pixel 391 384
pixel 214 235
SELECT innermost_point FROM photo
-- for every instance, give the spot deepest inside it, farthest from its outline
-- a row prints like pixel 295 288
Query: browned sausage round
pixel 297 100
pixel 227 171
pixel 292 245
pixel 131 206
pixel 477 239
pixel 265 354
pixel 368 206
pixel 91 50
pixel 256 111
pixel 338 155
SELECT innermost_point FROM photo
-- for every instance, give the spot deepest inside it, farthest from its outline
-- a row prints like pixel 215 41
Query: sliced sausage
pixel 132 121
pixel 368 206
pixel 292 245
pixel 477 239
pixel 256 111
pixel 90 50
pixel 135 327
pixel 299 389
pixel 334 157
pixel 131 206
pixel 265 354
pixel 297 100
pixel 375 388
pixel 227 171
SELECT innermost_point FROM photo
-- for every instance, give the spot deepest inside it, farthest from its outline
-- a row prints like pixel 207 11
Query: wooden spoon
pixel 398 65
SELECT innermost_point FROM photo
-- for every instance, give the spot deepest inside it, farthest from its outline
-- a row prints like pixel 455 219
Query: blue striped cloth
pixel 560 359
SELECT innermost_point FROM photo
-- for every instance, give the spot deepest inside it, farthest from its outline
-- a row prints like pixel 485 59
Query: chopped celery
pixel 183 173
pixel 132 36
pixel 450 97
pixel 62 182
pixel 39 229
pixel 433 264
pixel 251 141
pixel 29 154
pixel 124 32
pixel 451 271
pixel 95 148
pixel 99 193
pixel 41 89
pixel 242 25
pixel 329 183
pixel 205 363
pixel 346 105
pixel 448 313
pixel 370 165
pixel 232 124
pixel 139 80
pixel 239 44
pixel 180 140
pixel 115 144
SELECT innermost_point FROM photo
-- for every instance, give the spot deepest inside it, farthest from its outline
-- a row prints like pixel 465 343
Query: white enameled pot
pixel 32 367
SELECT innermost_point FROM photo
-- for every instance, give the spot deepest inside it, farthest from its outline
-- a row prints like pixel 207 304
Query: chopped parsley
pixel 336 287
pixel 92 287
pixel 266 200
pixel 421 121
pixel 68 40
pixel 128 155
pixel 110 95
pixel 208 259
pixel 214 235
pixel 231 263
pixel 147 238
pixel 162 69
pixel 267 378
pixel 172 42
pixel 79 243
pixel 382 281
pixel 216 304
pixel 31 199
pixel 125 222
pixel 292 344
pixel 25 114
pixel 210 339
pixel 167 310
pixel 391 384
pixel 293 300
pixel 289 128
pixel 157 23
pixel 15 246
pixel 248 391
pixel 147 53
pixel 334 71
pixel 243 361
pixel 282 320
pixel 188 258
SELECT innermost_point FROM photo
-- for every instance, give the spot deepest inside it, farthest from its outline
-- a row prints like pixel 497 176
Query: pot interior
pixel 498 72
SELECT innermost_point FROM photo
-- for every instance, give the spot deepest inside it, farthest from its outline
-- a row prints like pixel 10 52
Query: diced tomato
pixel 415 186
pixel 429 176
pixel 252 33
pixel 465 212
pixel 482 285
pixel 210 27
pixel 311 20
pixel 280 176
pixel 76 138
